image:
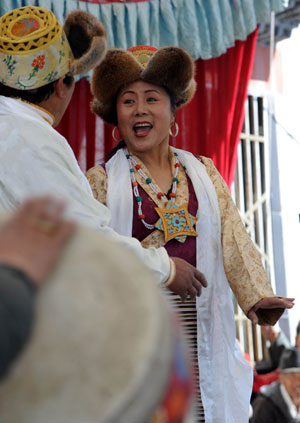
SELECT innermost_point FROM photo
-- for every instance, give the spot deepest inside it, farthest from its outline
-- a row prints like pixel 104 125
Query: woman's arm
pixel 98 181
pixel 242 263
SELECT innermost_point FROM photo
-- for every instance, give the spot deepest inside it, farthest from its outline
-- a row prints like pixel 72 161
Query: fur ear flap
pixel 171 67
pixel 118 69
pixel 87 39
pixel 187 95
pixel 107 111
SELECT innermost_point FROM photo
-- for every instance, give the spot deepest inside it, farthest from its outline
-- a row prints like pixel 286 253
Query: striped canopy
pixel 205 28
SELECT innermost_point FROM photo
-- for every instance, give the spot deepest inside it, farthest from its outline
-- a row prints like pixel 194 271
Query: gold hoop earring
pixel 176 130
pixel 114 134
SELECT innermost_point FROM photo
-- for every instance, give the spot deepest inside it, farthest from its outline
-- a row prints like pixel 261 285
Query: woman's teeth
pixel 142 127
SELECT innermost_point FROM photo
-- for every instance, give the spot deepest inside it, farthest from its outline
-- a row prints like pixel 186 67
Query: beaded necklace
pixel 160 195
pixel 176 222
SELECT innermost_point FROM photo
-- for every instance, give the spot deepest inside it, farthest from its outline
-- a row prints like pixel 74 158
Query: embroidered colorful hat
pixel 169 67
pixel 35 50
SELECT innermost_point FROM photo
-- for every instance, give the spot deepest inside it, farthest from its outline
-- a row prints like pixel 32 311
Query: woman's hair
pixel 36 95
pixel 122 143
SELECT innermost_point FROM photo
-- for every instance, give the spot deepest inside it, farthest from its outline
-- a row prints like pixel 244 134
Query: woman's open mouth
pixel 142 129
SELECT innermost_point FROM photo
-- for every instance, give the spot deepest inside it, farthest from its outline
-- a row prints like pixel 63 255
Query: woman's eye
pixel 151 99
pixel 128 101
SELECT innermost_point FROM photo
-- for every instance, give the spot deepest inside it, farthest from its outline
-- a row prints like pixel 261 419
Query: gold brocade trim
pixel 155 239
pixel 97 178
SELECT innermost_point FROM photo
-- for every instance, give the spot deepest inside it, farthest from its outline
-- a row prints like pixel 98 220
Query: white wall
pixel 287 115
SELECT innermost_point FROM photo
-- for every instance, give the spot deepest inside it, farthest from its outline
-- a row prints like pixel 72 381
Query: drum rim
pixel 158 369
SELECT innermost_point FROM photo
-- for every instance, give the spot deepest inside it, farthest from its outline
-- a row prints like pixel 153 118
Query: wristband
pixel 171 276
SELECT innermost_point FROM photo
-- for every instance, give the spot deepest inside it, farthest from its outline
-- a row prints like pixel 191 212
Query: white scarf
pixel 225 377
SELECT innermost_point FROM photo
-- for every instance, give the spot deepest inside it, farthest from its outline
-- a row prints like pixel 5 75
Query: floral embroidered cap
pixel 35 50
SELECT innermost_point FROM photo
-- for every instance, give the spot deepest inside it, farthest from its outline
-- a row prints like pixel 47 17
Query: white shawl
pixel 225 377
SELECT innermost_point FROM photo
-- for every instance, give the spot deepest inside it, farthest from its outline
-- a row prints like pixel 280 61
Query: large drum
pixel 104 348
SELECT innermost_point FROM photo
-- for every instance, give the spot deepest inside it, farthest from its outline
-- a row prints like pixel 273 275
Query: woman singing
pixel 168 197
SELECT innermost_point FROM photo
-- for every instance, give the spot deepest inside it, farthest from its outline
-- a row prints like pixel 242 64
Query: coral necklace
pixel 175 222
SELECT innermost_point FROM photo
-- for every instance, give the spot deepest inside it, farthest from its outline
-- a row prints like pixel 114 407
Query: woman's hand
pixel 188 280
pixel 269 303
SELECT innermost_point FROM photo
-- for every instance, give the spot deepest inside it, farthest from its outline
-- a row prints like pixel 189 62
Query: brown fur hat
pixel 87 39
pixel 169 67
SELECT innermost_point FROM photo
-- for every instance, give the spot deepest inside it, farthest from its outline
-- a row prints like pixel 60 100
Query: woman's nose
pixel 140 108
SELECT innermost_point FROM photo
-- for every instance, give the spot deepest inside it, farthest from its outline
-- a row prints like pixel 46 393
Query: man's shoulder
pixel 267 408
pixel 270 397
pixel 24 125
pixel 272 390
pixel 30 134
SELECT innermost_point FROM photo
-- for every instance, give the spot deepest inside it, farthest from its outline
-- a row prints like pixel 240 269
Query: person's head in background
pixel 40 58
pixel 289 375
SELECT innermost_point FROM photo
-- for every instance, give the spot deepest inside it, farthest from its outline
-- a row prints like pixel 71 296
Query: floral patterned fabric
pixel 98 183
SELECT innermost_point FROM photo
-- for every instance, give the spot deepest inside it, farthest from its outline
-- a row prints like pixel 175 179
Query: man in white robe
pixel 38 61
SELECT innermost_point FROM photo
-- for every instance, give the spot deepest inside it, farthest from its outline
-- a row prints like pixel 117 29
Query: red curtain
pixel 210 125
pixel 78 125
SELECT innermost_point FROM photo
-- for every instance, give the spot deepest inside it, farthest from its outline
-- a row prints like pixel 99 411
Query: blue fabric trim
pixel 205 28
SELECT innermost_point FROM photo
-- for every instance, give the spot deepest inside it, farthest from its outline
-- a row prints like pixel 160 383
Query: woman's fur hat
pixel 87 38
pixel 169 67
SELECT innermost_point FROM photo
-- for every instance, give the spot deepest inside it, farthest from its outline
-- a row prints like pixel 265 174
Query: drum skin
pixel 102 345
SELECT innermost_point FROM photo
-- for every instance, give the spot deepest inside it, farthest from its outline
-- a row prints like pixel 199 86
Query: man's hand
pixel 188 280
pixel 33 238
pixel 269 303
